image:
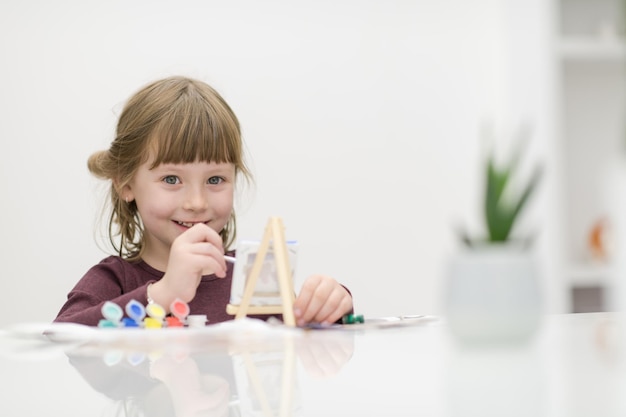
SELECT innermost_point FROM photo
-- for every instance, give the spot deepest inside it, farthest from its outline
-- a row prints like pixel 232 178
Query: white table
pixel 573 367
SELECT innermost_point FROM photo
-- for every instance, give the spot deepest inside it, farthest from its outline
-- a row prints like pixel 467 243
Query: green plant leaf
pixel 528 191
pixel 503 205
pixel 496 214
pixel 500 214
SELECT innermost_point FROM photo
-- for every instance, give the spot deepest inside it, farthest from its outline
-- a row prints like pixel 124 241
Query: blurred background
pixel 364 122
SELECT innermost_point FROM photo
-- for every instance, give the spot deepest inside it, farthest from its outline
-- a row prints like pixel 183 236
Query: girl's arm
pixel 107 281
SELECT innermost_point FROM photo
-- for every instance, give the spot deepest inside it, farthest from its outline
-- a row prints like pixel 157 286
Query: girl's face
pixel 173 197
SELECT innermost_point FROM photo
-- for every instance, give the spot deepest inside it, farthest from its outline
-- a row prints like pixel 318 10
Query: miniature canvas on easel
pixel 246 296
pixel 267 290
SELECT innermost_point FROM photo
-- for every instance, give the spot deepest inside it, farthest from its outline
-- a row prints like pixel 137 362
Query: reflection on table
pixel 573 367
pixel 246 368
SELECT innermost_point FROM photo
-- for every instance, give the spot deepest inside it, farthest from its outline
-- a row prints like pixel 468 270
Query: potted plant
pixel 492 285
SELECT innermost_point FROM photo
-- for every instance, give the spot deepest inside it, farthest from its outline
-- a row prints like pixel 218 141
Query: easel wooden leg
pixel 285 280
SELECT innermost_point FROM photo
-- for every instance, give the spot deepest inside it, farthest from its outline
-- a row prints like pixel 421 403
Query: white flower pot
pixel 492 295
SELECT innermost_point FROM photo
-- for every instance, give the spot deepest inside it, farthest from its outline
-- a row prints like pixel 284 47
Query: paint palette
pixel 152 316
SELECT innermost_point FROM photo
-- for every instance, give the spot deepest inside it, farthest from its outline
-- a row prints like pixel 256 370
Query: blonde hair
pixel 174 120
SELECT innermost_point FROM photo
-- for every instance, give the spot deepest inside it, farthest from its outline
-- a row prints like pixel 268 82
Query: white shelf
pixel 588 48
pixel 590 274
pixel 591 56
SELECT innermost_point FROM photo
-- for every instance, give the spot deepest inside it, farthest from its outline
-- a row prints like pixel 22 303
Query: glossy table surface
pixel 573 366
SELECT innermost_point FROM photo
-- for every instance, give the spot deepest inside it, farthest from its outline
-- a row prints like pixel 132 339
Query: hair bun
pixel 97 164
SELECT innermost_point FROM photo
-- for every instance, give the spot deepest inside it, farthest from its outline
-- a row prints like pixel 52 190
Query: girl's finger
pixel 200 232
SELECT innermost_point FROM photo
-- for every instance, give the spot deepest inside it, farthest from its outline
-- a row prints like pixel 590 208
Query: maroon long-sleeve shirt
pixel 118 280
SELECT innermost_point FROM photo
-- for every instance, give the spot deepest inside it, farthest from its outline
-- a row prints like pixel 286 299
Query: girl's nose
pixel 195 200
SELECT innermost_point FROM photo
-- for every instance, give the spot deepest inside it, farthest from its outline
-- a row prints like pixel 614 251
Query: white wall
pixel 361 118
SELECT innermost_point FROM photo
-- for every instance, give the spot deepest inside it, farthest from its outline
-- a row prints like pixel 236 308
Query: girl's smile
pixel 172 198
pixel 189 224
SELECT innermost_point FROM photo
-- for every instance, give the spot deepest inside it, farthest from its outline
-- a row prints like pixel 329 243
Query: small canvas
pixel 267 289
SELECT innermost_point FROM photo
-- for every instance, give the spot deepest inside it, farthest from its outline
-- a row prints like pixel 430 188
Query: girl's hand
pixel 321 300
pixel 196 252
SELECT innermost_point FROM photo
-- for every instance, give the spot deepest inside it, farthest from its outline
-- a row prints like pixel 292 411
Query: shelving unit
pixel 591 53
pixel 588 49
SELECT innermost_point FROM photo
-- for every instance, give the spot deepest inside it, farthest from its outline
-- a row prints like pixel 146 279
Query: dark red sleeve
pixel 102 282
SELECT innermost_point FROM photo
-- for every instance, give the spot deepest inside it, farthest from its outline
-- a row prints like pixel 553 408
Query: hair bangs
pixel 196 131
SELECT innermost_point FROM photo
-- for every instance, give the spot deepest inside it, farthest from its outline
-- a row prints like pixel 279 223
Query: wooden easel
pixel 274 236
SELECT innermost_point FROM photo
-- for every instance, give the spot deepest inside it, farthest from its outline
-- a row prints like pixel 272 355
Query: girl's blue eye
pixel 215 180
pixel 170 179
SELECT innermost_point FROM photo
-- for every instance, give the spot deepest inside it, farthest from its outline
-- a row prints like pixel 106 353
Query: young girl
pixel 173 167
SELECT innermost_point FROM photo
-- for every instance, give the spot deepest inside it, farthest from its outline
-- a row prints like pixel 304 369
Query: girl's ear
pixel 124 191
